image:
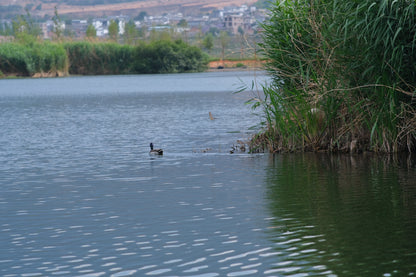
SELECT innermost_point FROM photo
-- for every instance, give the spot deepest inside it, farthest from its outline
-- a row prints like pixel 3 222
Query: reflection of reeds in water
pixel 361 204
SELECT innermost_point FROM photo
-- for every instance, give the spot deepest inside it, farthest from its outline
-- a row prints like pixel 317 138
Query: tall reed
pixel 98 58
pixel 87 58
pixel 26 60
pixel 343 76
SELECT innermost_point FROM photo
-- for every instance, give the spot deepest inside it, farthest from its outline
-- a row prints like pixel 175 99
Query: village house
pixel 235 20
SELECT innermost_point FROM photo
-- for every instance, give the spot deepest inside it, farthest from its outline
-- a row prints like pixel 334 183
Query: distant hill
pixel 85 8
pixel 94 2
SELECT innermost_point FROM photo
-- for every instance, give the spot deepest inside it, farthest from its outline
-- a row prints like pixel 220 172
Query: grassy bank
pixel 87 58
pixel 343 77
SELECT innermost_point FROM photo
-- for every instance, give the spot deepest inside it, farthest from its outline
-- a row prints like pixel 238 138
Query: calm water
pixel 80 196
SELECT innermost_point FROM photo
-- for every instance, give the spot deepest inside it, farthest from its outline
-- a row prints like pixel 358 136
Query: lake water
pixel 80 196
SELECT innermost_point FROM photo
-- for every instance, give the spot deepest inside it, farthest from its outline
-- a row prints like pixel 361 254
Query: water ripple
pixel 80 196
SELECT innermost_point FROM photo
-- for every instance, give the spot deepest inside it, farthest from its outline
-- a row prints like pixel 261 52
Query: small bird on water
pixel 155 151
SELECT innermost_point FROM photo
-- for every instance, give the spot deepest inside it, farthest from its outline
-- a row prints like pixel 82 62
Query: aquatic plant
pixel 99 58
pixel 343 76
pixel 28 59
pixel 89 58
pixel 166 56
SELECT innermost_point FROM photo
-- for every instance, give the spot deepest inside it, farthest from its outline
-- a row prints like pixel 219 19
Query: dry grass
pixel 233 64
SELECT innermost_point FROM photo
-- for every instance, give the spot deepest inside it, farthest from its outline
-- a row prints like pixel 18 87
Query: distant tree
pixel 58 29
pixel 7 29
pixel 91 32
pixel 214 31
pixel 183 23
pixel 242 40
pixel 224 41
pixel 141 32
pixel 141 16
pixel 165 35
pixel 24 29
pixel 113 30
pixel 208 41
pixel 69 33
pixel 130 33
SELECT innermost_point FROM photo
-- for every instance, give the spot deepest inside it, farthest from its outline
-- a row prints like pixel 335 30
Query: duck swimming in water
pixel 155 151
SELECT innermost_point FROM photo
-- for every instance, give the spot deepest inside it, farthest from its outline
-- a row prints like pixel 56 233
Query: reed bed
pixel 27 60
pixel 99 58
pixel 163 56
pixel 343 76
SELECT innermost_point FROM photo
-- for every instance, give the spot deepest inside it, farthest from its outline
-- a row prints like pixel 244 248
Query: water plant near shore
pixel 165 56
pixel 99 58
pixel 162 56
pixel 27 60
pixel 343 76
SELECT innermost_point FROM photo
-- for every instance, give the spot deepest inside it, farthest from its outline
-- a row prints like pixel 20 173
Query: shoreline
pixel 232 65
pixel 213 66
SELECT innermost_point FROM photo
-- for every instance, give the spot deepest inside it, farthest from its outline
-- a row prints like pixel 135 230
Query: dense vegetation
pixel 87 58
pixel 99 58
pixel 343 76
pixel 29 59
pixel 165 56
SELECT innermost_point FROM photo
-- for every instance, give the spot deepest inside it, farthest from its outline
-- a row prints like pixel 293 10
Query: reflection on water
pixel 80 196
pixel 342 215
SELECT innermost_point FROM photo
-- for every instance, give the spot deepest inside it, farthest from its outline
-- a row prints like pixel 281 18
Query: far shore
pixel 213 66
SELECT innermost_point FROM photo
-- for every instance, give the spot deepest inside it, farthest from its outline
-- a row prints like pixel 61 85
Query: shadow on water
pixel 343 215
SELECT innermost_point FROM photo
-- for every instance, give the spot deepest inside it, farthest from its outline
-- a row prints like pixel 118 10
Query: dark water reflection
pixel 342 215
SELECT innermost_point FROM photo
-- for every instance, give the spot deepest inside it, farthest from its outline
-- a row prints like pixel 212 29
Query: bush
pixel 165 56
